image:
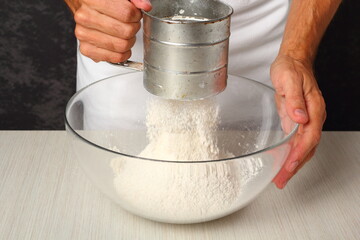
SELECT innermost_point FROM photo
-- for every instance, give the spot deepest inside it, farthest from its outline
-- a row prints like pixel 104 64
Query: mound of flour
pixel 182 131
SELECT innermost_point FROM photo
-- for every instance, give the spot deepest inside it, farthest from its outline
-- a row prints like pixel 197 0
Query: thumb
pixel 294 101
pixel 142 4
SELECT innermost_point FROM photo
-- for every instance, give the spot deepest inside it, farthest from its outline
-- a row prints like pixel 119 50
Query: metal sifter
pixel 186 46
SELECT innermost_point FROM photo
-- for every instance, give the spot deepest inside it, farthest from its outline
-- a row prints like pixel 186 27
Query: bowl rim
pixel 68 127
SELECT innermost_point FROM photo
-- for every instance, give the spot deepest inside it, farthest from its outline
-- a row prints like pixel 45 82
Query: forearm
pixel 73 5
pixel 306 24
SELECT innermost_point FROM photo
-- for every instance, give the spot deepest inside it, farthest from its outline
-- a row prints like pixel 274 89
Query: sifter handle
pixel 130 65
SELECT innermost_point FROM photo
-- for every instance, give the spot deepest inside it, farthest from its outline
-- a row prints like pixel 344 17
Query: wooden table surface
pixel 44 195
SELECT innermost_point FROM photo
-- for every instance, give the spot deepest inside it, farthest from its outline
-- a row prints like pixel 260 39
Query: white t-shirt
pixel 256 31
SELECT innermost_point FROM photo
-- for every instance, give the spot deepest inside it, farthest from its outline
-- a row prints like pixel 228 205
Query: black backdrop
pixel 38 59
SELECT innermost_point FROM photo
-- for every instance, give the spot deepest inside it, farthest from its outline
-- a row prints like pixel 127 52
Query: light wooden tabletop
pixel 44 195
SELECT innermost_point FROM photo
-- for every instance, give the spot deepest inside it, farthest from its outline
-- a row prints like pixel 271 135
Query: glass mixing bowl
pixel 107 126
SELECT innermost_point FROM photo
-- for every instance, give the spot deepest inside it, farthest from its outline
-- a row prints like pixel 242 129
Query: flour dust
pixel 182 192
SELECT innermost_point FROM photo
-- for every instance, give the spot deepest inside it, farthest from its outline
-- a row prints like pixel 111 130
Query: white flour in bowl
pixel 182 131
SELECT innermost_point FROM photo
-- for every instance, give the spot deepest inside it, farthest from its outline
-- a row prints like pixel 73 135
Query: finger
pixel 306 159
pixel 102 40
pixel 286 123
pixel 306 140
pixel 280 105
pixel 288 83
pixel 294 96
pixel 142 4
pixel 122 10
pixel 98 54
pixel 309 135
pixel 283 177
pixel 90 18
pixel 305 144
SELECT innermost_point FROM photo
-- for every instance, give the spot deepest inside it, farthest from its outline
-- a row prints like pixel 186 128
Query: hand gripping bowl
pixel 106 126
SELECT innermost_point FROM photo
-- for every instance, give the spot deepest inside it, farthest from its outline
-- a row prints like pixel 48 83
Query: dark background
pixel 38 65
